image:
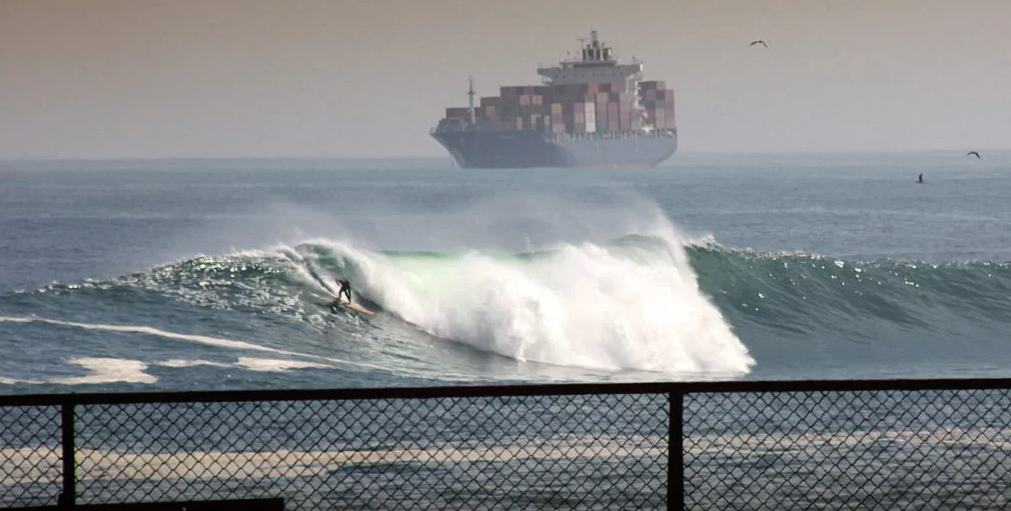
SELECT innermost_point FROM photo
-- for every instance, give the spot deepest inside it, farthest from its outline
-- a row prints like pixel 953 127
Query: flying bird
pixel 758 41
pixel 972 153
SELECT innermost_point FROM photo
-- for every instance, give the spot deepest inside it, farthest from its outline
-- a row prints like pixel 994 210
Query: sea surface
pixel 218 274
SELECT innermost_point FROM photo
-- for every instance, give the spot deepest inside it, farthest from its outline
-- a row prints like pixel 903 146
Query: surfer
pixel 920 179
pixel 345 289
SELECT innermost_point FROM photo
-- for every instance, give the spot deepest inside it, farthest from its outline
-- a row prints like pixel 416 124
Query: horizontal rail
pixel 694 387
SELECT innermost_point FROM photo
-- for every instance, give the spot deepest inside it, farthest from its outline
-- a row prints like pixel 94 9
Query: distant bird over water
pixel 972 153
pixel 758 41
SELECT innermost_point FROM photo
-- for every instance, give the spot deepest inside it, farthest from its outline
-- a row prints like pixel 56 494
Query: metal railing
pixel 924 444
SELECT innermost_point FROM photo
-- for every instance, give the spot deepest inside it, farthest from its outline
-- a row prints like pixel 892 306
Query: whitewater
pixel 154 278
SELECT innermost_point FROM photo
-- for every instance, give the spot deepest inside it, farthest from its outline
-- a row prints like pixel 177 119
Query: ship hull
pixel 525 149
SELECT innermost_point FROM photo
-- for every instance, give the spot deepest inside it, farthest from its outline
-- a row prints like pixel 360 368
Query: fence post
pixel 675 453
pixel 68 497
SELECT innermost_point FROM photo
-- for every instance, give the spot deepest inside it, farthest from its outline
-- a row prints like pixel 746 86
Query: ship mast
pixel 470 93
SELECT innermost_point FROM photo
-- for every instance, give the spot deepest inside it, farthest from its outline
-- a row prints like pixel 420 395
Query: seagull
pixel 758 41
pixel 972 153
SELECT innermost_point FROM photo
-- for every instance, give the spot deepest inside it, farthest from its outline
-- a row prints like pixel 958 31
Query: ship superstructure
pixel 590 110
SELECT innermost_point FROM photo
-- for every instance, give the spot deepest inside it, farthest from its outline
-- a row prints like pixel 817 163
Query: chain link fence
pixel 735 445
pixel 871 449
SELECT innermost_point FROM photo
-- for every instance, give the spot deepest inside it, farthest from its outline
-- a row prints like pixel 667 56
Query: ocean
pixel 218 274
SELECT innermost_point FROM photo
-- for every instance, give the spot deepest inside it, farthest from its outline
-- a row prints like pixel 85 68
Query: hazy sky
pixel 251 78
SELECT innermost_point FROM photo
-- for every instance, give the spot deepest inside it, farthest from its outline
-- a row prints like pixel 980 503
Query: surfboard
pixel 351 305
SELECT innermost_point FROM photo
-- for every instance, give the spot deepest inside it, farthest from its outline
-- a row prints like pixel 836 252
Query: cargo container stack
pixel 658 102
pixel 576 108
pixel 566 109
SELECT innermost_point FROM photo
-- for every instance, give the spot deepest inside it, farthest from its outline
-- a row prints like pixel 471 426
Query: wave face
pixel 807 314
pixel 785 288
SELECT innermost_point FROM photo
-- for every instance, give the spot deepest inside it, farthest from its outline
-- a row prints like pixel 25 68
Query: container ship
pixel 589 111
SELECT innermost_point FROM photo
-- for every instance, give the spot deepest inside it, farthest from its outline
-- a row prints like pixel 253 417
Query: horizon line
pixel 447 157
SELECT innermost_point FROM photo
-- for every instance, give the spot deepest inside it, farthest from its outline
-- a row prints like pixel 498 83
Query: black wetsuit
pixel 345 289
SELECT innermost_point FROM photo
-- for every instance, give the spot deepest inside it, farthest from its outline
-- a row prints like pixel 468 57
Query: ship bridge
pixel 596 64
